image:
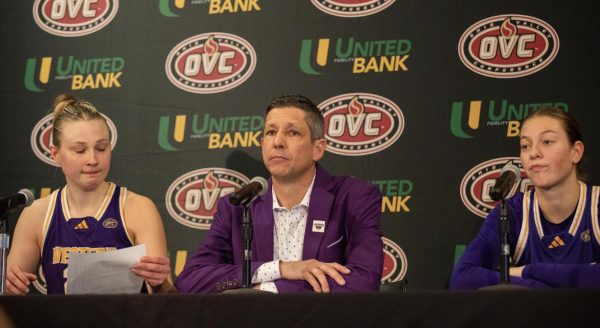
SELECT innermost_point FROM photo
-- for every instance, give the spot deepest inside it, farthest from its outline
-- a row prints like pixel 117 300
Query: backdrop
pixel 422 98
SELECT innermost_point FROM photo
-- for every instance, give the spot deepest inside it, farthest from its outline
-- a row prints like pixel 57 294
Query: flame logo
pixel 211 46
pixel 508 29
pixel 355 107
pixel 210 181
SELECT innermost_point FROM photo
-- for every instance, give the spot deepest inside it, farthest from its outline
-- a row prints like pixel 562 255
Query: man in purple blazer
pixel 312 231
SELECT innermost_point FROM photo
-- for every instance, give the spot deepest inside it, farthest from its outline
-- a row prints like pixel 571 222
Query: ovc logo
pixel 359 124
pixel 395 263
pixel 352 8
pixel 192 198
pixel 508 46
pixel 70 18
pixel 210 63
pixel 477 184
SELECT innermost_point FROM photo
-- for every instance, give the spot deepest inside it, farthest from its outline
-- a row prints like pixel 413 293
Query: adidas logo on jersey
pixel 556 242
pixel 81 226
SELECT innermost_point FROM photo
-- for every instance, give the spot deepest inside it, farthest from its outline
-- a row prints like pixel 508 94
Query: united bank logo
pixel 82 73
pixel 210 63
pixel 469 116
pixel 477 184
pixel 352 8
pixel 192 198
pixel 396 194
pixel 508 46
pixel 71 18
pixel 171 8
pixel 370 56
pixel 207 131
pixel 41 138
pixel 395 263
pixel 358 124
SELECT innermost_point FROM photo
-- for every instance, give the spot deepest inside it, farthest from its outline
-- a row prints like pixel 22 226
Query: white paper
pixel 105 273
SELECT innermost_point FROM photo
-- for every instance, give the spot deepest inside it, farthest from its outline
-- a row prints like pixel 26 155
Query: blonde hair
pixel 67 108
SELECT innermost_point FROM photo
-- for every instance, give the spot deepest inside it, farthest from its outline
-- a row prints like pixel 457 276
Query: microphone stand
pixel 247 244
pixel 4 245
pixel 504 246
pixel 504 230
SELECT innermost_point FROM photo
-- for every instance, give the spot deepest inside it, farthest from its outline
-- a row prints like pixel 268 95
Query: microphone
pixel 509 176
pixel 255 188
pixel 23 199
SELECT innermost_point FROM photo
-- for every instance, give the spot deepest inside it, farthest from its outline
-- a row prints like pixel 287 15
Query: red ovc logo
pixel 508 46
pixel 210 63
pixel 477 184
pixel 359 124
pixel 395 263
pixel 71 18
pixel 192 198
pixel 352 8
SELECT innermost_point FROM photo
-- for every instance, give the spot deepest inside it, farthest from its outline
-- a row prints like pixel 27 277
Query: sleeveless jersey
pixel 575 241
pixel 64 234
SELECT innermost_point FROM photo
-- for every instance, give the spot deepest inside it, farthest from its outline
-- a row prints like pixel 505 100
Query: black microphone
pixel 509 176
pixel 23 199
pixel 255 188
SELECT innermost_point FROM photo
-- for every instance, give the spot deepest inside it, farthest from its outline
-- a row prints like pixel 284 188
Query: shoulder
pixel 38 208
pixel 347 185
pixel 517 199
pixel 136 202
pixel 32 217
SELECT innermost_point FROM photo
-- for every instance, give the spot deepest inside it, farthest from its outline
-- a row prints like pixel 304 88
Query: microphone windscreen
pixel 514 169
pixel 29 197
pixel 263 183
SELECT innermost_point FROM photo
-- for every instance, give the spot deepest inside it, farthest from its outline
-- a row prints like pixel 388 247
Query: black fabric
pixel 499 308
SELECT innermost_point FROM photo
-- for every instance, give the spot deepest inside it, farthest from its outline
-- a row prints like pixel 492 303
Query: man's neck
pixel 290 193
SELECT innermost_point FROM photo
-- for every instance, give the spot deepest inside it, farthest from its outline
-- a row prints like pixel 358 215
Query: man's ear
pixel 319 149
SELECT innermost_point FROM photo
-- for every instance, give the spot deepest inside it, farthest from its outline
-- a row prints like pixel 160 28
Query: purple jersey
pixel 554 255
pixel 574 241
pixel 64 234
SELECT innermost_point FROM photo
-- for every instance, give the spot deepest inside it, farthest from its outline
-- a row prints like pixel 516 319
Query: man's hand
pixel 314 272
pixel 17 281
pixel 155 270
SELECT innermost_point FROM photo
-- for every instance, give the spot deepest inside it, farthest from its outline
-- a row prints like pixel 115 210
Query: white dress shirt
pixel 288 240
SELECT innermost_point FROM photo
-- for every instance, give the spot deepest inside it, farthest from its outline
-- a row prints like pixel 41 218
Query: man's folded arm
pixel 211 268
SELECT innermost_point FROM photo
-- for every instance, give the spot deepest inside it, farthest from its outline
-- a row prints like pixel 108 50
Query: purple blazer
pixel 351 209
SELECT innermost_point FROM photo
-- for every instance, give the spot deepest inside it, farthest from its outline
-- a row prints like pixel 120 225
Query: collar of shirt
pixel 305 201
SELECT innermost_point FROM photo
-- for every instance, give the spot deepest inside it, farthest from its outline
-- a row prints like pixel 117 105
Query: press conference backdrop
pixel 422 98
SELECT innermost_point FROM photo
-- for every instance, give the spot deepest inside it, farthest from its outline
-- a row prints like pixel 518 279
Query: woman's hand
pixel 155 270
pixel 18 281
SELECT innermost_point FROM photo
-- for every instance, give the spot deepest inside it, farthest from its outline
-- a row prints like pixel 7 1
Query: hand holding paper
pixel 154 269
pixel 105 273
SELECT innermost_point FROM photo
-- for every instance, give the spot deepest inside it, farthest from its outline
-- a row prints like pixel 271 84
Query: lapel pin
pixel 318 226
